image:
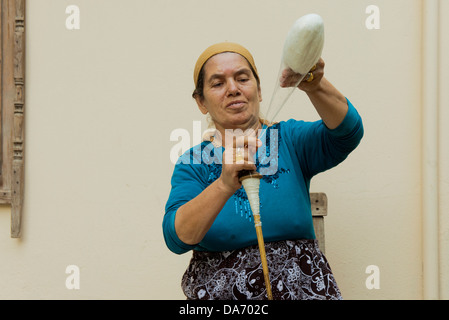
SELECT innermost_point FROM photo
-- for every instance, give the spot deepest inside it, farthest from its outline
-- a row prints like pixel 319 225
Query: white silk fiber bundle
pixel 304 43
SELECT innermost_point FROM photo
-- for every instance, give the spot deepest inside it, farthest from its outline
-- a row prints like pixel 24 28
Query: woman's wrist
pixel 224 188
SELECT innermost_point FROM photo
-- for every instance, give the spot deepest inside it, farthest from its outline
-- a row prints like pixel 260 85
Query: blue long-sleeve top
pixel 292 153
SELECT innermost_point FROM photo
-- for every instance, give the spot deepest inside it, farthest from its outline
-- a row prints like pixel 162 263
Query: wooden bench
pixel 318 201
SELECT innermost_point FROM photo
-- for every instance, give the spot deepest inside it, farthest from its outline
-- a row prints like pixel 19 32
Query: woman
pixel 208 211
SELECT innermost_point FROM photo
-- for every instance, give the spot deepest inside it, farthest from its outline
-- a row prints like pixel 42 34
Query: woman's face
pixel 230 95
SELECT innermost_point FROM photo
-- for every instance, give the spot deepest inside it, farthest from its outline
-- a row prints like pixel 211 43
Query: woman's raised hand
pixel 311 81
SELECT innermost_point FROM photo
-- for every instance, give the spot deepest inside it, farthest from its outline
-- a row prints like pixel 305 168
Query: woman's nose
pixel 233 87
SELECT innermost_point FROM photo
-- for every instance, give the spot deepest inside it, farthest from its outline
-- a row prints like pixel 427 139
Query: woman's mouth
pixel 235 104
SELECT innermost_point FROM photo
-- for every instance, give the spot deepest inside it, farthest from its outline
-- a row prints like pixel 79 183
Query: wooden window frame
pixel 12 109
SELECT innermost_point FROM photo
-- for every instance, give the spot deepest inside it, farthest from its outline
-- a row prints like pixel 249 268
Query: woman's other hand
pixel 238 156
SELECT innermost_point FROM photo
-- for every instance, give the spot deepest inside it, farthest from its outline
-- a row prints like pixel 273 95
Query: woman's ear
pixel 201 105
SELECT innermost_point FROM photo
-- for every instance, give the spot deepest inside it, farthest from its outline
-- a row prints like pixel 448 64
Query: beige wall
pixel 443 116
pixel 103 100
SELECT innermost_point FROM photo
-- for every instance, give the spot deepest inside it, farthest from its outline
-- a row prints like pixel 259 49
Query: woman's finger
pixel 313 79
pixel 289 78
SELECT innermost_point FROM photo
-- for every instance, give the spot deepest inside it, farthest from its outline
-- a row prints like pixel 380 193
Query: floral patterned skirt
pixel 298 271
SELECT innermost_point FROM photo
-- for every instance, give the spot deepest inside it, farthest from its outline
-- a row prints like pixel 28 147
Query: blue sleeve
pixel 319 148
pixel 187 182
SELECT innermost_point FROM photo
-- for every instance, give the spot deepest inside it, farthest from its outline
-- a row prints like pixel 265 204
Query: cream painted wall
pixel 103 100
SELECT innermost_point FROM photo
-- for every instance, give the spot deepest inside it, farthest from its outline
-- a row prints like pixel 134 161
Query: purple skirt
pixel 298 271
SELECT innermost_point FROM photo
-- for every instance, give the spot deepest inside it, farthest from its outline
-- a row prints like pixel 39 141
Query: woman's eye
pixel 243 79
pixel 217 84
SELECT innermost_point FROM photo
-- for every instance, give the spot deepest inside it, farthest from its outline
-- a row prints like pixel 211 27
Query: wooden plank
pixel 18 124
pixel 318 225
pixel 318 202
pixel 12 107
pixel 17 201
pixel 5 197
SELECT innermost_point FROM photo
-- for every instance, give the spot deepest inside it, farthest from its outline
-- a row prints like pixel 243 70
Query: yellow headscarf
pixel 220 48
